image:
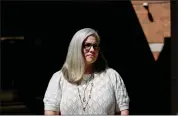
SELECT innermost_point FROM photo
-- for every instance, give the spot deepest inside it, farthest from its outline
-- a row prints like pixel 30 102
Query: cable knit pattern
pixel 108 96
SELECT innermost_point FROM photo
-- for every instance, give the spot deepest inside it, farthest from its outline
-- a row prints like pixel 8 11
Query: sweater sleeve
pixel 53 93
pixel 121 95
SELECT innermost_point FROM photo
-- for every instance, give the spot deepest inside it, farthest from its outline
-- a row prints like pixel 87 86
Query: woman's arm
pixel 53 95
pixel 49 112
pixel 125 112
pixel 122 98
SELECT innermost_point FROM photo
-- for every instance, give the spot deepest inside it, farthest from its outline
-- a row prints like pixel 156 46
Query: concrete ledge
pixel 6 95
pixel 13 107
pixel 15 110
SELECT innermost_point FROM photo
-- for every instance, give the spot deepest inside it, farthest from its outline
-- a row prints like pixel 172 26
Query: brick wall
pixel 157 30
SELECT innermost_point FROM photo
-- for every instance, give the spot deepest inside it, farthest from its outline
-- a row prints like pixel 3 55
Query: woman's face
pixel 90 49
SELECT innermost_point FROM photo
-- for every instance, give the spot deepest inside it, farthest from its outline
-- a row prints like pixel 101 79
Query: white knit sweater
pixel 108 94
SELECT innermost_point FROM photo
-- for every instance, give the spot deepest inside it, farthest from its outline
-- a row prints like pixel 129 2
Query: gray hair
pixel 74 66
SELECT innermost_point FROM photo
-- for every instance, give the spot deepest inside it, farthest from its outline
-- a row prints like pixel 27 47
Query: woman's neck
pixel 88 69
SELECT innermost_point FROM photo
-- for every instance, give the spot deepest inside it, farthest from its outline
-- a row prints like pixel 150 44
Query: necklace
pixel 84 99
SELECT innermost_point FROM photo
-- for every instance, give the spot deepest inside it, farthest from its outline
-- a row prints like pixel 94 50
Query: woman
pixel 85 84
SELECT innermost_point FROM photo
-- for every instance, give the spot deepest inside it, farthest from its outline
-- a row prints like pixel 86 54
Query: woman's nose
pixel 91 48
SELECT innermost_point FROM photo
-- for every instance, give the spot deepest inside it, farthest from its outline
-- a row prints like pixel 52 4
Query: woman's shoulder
pixel 111 71
pixel 113 74
pixel 58 75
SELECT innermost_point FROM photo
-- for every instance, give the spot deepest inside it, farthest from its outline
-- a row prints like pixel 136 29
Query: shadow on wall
pixel 163 68
pixel 123 43
pixel 12 57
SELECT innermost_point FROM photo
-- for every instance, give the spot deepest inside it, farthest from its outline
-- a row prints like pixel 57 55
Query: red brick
pixel 160 28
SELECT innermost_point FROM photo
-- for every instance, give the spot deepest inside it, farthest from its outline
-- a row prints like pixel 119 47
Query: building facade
pixel 154 17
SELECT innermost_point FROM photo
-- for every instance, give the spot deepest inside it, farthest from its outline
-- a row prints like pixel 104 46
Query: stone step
pixel 8 95
pixel 13 107
pixel 11 103
pixel 14 110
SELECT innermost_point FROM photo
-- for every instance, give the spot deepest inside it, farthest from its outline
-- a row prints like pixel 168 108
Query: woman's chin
pixel 90 61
